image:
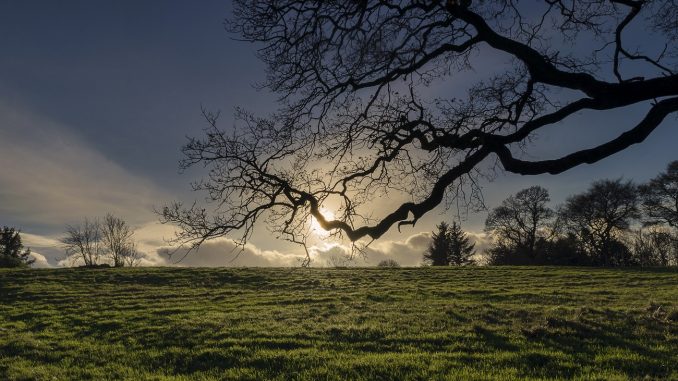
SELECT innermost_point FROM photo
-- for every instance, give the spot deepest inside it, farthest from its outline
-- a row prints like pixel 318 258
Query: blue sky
pixel 97 97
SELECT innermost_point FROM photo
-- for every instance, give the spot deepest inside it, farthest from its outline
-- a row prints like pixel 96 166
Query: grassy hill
pixel 300 324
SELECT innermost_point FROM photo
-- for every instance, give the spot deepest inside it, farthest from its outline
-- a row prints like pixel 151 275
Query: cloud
pixel 47 250
pixel 51 177
pixel 225 253
pixel 40 261
pixel 407 252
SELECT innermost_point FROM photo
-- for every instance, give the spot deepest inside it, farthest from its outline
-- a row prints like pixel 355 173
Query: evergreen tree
pixel 437 252
pixel 449 246
pixel 12 253
pixel 460 248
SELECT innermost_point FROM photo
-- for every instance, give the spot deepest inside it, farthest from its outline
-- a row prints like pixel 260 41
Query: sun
pixel 315 227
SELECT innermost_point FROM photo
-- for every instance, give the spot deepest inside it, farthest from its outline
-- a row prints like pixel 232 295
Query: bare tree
pixel 600 216
pixel 117 238
pixel 84 242
pixel 131 256
pixel 521 221
pixel 359 119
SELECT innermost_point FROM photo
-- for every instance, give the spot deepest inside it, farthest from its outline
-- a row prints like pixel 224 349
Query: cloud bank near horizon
pixel 153 242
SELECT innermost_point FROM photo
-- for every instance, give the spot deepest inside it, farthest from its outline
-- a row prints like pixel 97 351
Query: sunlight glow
pixel 318 230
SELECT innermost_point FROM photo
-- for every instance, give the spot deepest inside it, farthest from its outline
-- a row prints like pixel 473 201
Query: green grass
pixel 529 323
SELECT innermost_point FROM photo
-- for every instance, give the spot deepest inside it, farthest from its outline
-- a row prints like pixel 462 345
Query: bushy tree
pixel 660 197
pixel 12 251
pixel 392 263
pixel 520 226
pixel 599 218
pixel 449 246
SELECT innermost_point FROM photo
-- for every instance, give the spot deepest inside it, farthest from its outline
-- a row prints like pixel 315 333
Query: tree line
pixel 612 223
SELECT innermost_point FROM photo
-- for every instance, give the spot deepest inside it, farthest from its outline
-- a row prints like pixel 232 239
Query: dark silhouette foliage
pixel 461 249
pixel 357 122
pixel 437 252
pixel 598 227
pixel 12 251
pixel 520 225
pixel 660 197
pixel 449 246
pixel 600 216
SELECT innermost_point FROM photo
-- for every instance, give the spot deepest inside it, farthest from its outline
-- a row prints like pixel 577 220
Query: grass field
pixel 331 324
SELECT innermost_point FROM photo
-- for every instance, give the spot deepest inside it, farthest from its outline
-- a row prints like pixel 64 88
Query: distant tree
pixel 12 252
pixel 130 255
pixel 449 246
pixel 85 242
pixel 520 224
pixel 437 252
pixel 389 263
pixel 461 250
pixel 599 218
pixel 660 197
pixel 117 239
pixel 654 246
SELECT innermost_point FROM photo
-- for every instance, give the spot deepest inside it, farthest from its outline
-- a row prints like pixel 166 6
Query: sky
pixel 97 98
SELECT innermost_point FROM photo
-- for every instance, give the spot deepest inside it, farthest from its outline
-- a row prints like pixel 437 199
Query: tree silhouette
pixel 117 239
pixel 12 252
pixel 660 197
pixel 599 216
pixel 437 253
pixel 521 221
pixel 395 98
pixel 85 242
pixel 449 246
pixel 461 249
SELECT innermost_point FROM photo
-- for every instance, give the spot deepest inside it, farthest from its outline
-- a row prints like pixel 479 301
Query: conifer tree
pixel 437 252
pixel 12 253
pixel 461 250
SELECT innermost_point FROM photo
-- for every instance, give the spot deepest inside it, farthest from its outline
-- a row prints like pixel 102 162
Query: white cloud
pixel 47 250
pixel 40 261
pixel 225 253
